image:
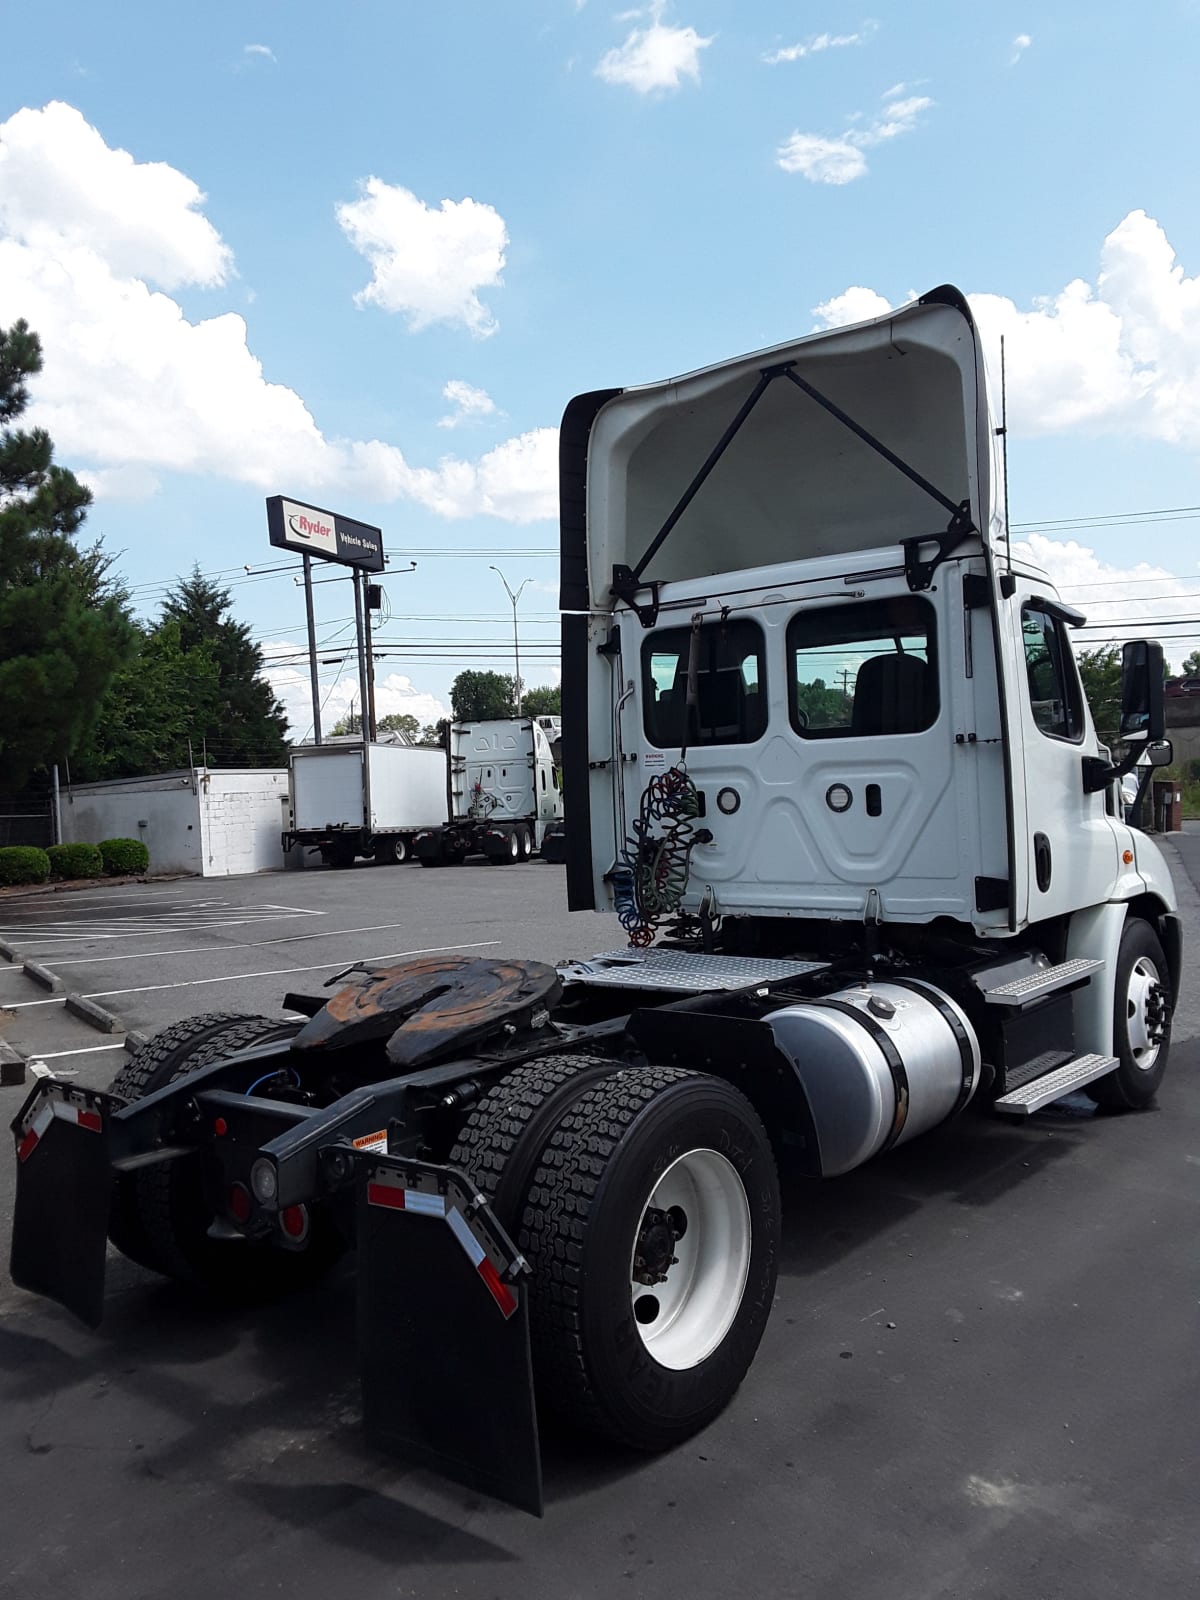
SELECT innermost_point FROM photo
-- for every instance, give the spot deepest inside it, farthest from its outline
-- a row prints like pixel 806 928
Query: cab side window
pixel 862 671
pixel 1054 694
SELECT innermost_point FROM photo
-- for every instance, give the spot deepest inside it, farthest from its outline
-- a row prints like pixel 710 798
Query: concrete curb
pixel 43 976
pixel 88 1011
pixel 9 952
pixel 12 1067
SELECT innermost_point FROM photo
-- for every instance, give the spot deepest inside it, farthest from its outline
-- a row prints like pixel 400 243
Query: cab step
pixel 1039 1092
pixel 1037 985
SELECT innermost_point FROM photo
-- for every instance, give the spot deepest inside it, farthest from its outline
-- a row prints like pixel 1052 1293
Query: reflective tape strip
pixel 464 1235
pixel 426 1205
pixel 79 1115
pixel 35 1130
pixel 383 1194
pixel 501 1293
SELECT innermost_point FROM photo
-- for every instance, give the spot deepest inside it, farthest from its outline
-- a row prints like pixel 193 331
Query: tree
pixel 153 705
pixel 402 722
pixel 822 706
pixel 1191 667
pixel 248 724
pixel 483 696
pixel 433 734
pixel 1100 672
pixel 543 701
pixel 64 624
pixel 350 723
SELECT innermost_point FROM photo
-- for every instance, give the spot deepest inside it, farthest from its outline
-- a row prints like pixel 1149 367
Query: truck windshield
pixel 731 703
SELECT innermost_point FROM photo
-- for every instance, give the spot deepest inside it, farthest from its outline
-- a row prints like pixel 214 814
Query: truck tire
pixel 672 1172
pixel 500 1145
pixel 1141 1022
pixel 158 1216
pixel 338 855
pixel 524 843
pixel 391 851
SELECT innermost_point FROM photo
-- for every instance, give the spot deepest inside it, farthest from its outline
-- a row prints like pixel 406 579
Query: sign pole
pixel 370 688
pixel 356 579
pixel 312 647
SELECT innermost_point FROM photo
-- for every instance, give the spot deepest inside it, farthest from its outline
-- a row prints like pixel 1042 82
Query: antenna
pixel 1002 430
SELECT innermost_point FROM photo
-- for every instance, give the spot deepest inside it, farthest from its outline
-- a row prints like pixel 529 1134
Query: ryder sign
pixel 315 532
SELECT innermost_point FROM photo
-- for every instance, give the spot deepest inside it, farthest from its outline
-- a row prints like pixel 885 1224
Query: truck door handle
pixel 1042 863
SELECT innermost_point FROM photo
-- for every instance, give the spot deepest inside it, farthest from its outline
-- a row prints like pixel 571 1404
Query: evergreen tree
pixel 247 726
pixel 152 706
pixel 64 625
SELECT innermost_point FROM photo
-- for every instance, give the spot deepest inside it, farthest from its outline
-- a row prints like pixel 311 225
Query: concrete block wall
pixel 241 818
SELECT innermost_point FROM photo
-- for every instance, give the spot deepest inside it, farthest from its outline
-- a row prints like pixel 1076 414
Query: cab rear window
pixel 730 685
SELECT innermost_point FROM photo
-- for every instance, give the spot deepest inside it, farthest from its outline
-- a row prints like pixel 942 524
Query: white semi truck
pixel 354 798
pixel 829 760
pixel 503 792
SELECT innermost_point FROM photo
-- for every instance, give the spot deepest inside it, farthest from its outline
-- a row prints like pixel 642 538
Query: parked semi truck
pixel 362 799
pixel 502 793
pixel 830 763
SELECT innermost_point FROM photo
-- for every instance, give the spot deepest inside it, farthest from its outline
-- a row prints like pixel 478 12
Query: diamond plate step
pixel 1022 990
pixel 681 970
pixel 1032 1096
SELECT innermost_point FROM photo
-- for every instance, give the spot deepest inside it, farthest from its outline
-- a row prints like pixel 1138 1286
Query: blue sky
pixel 363 256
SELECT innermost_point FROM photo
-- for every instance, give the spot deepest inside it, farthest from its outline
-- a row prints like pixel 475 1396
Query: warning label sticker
pixel 654 760
pixel 376 1143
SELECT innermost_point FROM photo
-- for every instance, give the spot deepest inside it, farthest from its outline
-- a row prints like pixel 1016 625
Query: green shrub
pixel 122 857
pixel 23 863
pixel 75 860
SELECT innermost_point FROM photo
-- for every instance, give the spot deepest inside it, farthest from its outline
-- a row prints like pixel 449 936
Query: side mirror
pixel 1143 695
pixel 1161 754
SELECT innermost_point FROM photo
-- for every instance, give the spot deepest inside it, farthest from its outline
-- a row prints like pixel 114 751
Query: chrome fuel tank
pixel 880 1062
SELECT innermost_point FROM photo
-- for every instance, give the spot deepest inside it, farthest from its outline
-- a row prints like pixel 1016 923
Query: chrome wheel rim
pixel 1144 984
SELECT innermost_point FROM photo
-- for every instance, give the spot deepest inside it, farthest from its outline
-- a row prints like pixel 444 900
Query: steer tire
pixel 1133 1084
pixel 499 1146
pixel 158 1215
pixel 587 1205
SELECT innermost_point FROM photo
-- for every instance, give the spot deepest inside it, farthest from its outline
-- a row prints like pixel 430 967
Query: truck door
pixel 1070 846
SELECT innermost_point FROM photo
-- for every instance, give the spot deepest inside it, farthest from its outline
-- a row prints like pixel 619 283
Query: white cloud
pixel 263 51
pixel 840 160
pixel 653 58
pixel 855 304
pixel 132 388
pixel 426 263
pixel 1120 355
pixel 121 483
pixel 394 692
pixel 62 187
pixel 1019 46
pixel 821 41
pixel 470 404
pixel 821 160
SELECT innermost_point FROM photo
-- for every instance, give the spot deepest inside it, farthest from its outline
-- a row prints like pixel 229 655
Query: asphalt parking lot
pixel 980 1379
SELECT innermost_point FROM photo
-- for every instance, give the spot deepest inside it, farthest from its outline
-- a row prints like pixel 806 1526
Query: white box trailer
pixel 503 791
pixel 351 800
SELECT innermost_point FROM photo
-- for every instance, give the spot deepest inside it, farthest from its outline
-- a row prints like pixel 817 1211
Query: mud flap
pixel 64 1183
pixel 443 1320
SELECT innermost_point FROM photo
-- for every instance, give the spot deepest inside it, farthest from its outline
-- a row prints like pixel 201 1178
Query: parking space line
pixel 91 1050
pixel 211 949
pixel 276 972
pixel 24 1005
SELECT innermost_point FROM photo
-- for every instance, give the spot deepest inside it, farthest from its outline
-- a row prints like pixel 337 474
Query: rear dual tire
pixel 159 1216
pixel 652 1174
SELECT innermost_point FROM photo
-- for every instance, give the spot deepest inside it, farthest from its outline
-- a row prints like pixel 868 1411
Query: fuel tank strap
pixel 890 1054
pixel 954 1022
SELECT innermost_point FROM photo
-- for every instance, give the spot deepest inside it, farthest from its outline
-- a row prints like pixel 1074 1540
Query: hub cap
pixel 1145 1013
pixel 690 1259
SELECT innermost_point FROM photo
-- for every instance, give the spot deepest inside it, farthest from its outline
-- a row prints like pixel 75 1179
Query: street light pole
pixel 516 640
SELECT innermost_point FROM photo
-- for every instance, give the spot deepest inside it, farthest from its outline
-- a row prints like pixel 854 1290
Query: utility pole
pixel 312 646
pixel 516 638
